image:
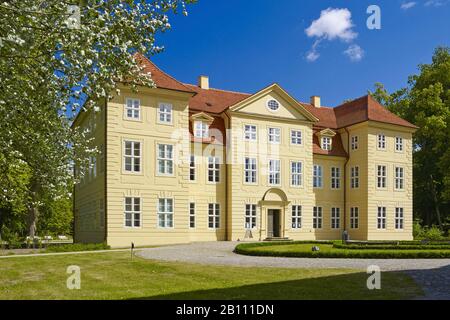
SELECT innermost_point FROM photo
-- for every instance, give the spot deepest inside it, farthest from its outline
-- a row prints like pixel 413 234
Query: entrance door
pixel 273 223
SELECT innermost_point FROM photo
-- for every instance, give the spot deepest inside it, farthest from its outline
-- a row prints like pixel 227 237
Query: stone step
pixel 277 239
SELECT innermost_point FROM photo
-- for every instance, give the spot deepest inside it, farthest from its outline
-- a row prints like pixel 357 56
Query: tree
pixel 425 102
pixel 57 57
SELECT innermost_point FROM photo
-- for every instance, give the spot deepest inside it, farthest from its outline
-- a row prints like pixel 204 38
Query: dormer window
pixel 326 143
pixel 201 129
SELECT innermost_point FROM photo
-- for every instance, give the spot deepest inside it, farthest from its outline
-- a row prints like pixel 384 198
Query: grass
pixel 327 250
pixel 113 275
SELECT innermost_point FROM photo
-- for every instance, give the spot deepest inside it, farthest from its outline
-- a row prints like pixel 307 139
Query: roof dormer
pixel 200 124
pixel 326 139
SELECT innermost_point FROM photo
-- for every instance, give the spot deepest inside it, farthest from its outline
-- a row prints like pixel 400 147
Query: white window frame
pixel 354 218
pixel 326 143
pixel 317 176
pixel 335 178
pixel 381 176
pixel 134 159
pixel 381 141
pixel 354 177
pixel 165 213
pixel 399 218
pixel 133 212
pixel 192 218
pixel 168 162
pixel 268 105
pixel 335 218
pixel 296 137
pixel 296 217
pixel 381 218
pixel 274 135
pixel 399 178
pixel 250 216
pixel 399 144
pixel 274 177
pixel 317 217
pixel 296 174
pixel 165 113
pixel 250 132
pixel 135 111
pixel 192 168
pixel 213 170
pixel 355 143
pixel 213 216
pixel 201 129
pixel 250 170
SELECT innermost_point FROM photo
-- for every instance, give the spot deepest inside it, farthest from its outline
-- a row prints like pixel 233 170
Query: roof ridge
pixel 159 69
pixel 216 89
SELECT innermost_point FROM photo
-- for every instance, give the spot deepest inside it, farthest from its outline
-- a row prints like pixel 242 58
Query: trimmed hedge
pixel 77 247
pixel 249 249
pixel 391 247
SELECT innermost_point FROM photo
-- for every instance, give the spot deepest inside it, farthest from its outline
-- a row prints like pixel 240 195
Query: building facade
pixel 181 163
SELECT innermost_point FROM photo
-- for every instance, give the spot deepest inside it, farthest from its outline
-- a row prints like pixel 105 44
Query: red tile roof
pixel 161 79
pixel 337 146
pixel 214 100
pixel 217 131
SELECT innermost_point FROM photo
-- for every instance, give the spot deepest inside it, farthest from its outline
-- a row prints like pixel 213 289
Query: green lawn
pixel 114 276
pixel 301 249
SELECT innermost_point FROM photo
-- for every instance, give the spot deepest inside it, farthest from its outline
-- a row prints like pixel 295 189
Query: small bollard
pixel 132 248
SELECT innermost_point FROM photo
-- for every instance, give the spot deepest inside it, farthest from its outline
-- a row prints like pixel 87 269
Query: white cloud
pixel 354 52
pixel 436 3
pixel 332 24
pixel 408 5
pixel 313 55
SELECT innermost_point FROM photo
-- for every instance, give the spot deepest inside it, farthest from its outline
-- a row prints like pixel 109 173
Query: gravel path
pixel 433 275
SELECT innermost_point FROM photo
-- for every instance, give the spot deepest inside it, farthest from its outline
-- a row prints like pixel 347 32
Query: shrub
pixel 441 246
pixel 77 247
pixel 433 233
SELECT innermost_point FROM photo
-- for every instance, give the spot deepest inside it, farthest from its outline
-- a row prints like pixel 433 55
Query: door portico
pixel 273 209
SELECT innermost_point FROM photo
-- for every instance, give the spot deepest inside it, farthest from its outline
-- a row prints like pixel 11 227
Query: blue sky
pixel 245 45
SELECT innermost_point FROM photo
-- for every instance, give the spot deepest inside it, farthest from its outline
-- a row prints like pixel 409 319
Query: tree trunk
pixel 33 211
pixel 436 202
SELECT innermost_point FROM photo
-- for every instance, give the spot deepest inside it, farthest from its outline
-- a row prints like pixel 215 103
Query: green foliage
pixel 77 247
pixel 303 250
pixel 425 102
pixel 427 233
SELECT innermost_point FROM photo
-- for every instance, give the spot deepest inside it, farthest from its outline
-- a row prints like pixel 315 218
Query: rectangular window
pixel 296 217
pixel 317 177
pixel 165 213
pixel 335 218
pixel 335 178
pixel 317 218
pixel 381 218
pixel 132 212
pixel 165 113
pixel 213 169
pixel 133 109
pixel 201 129
pixel 214 216
pixel 381 141
pixel 250 132
pixel 355 142
pixel 326 143
pixel 250 216
pixel 399 218
pixel 192 168
pixel 165 159
pixel 399 178
pixel 250 170
pixel 354 218
pixel 354 177
pixel 381 176
pixel 132 156
pixel 192 215
pixel 274 135
pixel 296 137
pixel 296 174
pixel 399 144
pixel 274 172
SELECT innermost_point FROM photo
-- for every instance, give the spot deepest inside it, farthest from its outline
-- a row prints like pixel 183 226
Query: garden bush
pixel 76 247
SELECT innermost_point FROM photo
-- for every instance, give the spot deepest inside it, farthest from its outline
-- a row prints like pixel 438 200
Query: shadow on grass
pixel 353 286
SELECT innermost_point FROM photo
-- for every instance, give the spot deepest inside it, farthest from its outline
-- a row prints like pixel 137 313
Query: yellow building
pixel 182 163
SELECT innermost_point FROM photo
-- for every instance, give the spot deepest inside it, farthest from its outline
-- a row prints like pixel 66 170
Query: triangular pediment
pixel 202 116
pixel 288 107
pixel 327 133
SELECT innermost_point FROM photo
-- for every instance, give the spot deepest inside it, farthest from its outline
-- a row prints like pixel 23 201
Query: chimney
pixel 203 82
pixel 315 101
